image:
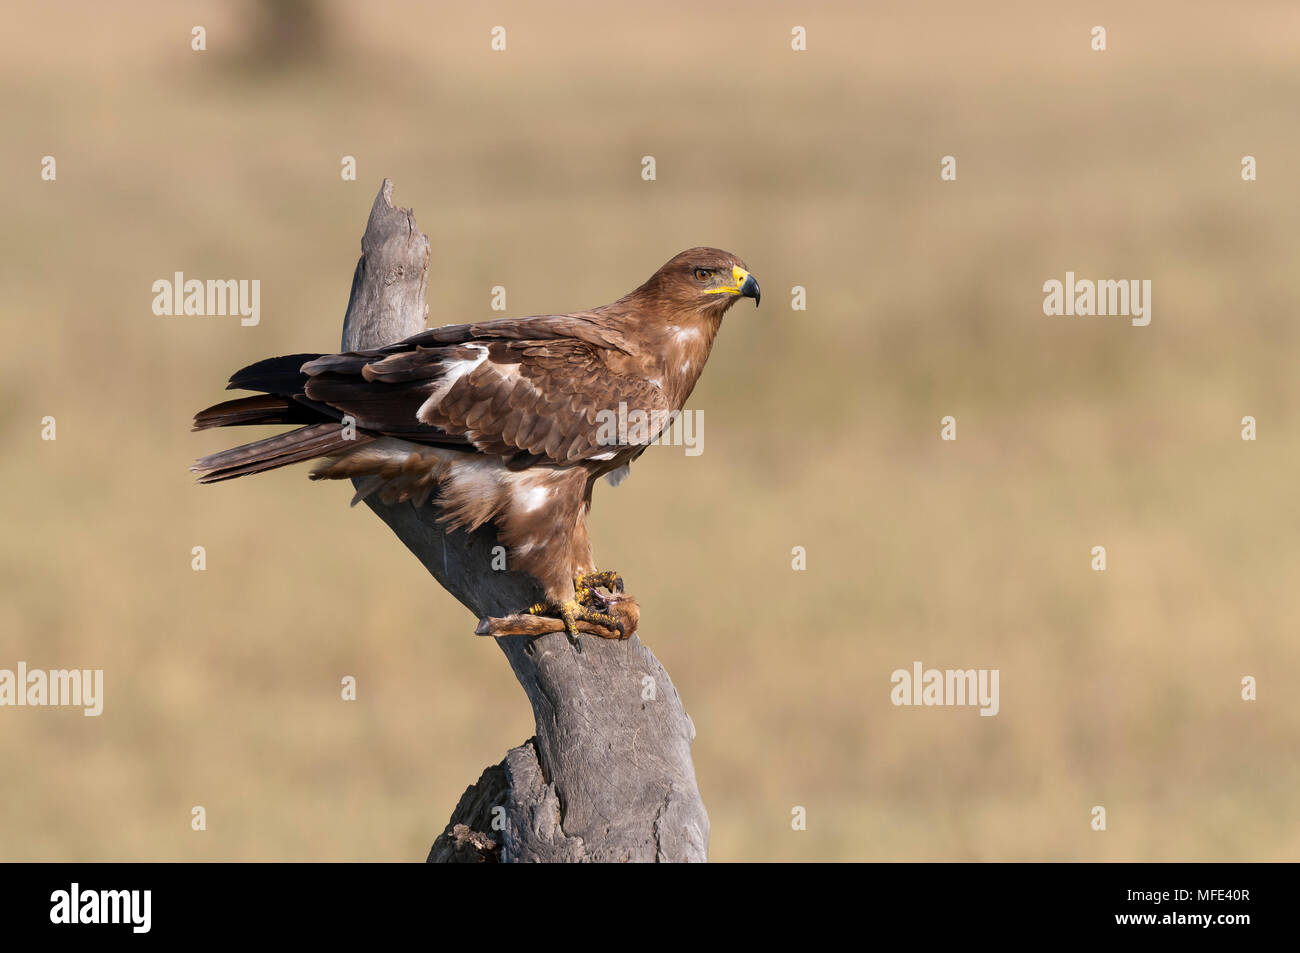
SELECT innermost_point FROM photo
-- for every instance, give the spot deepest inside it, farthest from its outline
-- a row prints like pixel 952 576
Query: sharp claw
pixel 569 613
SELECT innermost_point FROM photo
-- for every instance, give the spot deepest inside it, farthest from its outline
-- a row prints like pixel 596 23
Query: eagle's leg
pixel 593 580
pixel 572 612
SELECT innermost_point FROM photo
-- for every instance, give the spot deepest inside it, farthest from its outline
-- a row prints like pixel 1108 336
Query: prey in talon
pixel 592 594
pixel 605 614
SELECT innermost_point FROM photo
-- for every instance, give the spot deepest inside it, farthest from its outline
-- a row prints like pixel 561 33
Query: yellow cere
pixel 740 274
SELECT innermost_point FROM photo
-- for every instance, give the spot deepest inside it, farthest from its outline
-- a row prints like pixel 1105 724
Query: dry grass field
pixel 924 299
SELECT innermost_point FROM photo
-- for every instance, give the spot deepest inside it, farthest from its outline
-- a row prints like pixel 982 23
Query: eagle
pixel 505 421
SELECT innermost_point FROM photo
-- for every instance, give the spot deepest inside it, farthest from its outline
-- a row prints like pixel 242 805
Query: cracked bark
pixel 608 775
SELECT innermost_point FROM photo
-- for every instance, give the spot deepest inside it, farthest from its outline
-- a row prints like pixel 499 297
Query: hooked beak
pixel 745 286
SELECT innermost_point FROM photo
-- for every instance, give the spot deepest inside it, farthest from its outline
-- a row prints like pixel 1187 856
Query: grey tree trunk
pixel 608 776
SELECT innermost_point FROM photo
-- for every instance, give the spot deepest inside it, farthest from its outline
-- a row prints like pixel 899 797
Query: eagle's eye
pixel 703 274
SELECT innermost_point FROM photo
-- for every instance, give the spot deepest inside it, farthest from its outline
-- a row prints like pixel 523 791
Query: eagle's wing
pixel 528 399
pixel 504 420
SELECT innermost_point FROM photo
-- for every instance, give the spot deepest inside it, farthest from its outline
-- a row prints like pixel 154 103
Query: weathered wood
pixel 609 775
pixel 387 303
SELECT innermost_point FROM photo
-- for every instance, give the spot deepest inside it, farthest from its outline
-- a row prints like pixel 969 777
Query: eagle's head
pixel 708 280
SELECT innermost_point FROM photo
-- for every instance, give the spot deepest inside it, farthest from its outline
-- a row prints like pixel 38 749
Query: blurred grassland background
pixel 820 169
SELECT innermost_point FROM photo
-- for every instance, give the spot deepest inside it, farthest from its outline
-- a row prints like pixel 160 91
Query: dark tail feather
pixel 278 378
pixel 261 409
pixel 305 443
pixel 275 375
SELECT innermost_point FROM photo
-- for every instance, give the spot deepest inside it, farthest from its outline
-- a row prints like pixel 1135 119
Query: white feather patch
pixel 532 498
pixel 454 372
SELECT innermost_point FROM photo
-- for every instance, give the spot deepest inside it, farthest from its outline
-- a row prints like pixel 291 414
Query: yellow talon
pixel 607 578
pixel 587 605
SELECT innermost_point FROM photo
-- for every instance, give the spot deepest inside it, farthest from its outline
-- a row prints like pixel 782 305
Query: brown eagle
pixel 507 421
